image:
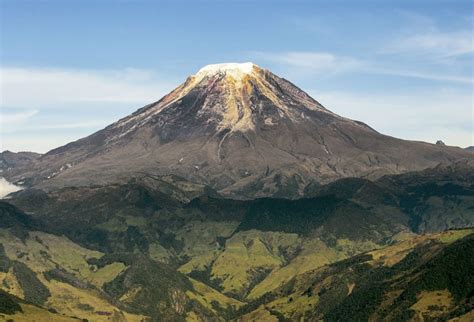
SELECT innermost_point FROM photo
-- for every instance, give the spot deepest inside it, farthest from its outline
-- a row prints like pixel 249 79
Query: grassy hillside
pixel 425 277
pixel 167 250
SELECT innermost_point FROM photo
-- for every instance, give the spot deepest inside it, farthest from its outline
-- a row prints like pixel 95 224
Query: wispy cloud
pixel 420 48
pixel 445 113
pixel 76 125
pixel 48 101
pixel 16 117
pixel 47 87
pixel 328 63
pixel 434 43
pixel 314 61
pixel 422 37
pixel 421 75
pixel 8 127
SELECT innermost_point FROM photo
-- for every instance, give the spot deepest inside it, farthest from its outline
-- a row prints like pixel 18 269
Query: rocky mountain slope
pixel 238 129
pixel 10 160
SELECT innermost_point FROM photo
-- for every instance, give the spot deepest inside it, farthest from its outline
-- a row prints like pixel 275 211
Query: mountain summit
pixel 229 98
pixel 237 70
pixel 239 129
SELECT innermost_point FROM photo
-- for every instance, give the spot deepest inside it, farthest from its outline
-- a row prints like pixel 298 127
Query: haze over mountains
pixel 238 197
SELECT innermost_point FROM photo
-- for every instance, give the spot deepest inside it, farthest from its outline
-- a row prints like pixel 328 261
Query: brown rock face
pixel 241 130
pixel 10 160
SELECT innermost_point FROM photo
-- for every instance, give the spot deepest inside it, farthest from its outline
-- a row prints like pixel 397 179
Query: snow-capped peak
pixel 236 70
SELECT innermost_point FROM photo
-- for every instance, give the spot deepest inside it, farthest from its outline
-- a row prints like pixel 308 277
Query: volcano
pixel 239 129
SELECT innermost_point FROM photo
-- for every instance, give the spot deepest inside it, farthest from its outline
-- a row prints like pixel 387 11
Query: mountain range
pixel 238 197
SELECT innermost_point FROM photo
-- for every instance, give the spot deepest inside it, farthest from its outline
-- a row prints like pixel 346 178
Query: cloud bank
pixel 51 87
pixel 6 188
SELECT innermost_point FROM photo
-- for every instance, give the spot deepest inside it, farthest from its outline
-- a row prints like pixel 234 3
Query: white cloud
pixel 37 100
pixel 420 49
pixel 434 43
pixel 421 37
pixel 324 63
pixel 42 88
pixel 12 128
pixel 314 61
pixel 40 142
pixel 444 114
pixel 6 188
pixel 85 124
pixel 16 117
pixel 421 75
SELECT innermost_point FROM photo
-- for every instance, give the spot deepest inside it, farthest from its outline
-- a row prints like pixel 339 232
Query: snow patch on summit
pixel 235 70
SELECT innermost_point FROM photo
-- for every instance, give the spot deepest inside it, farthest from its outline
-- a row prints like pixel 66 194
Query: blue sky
pixel 69 68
